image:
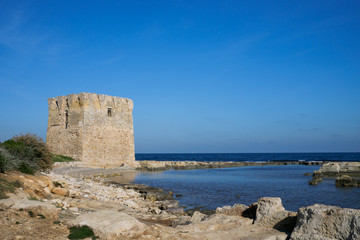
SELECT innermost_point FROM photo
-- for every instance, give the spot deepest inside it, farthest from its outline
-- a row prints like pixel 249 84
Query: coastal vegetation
pixel 81 232
pixel 25 153
pixel 61 158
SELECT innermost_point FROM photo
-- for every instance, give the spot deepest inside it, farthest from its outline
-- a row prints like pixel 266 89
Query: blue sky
pixel 205 76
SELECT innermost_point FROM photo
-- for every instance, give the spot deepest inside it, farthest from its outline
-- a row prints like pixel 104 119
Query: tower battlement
pixel 93 128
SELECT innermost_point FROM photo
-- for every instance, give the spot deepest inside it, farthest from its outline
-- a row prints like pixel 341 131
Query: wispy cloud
pixel 244 43
pixel 18 35
pixel 308 129
pixel 110 61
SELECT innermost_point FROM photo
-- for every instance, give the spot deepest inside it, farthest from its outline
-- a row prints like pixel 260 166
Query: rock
pixel 334 169
pixel 197 217
pixel 315 181
pixel 183 220
pixel 271 213
pixel 330 168
pixel 37 207
pixel 316 178
pixel 73 209
pixel 60 191
pixel 346 181
pixel 327 222
pixel 110 224
pixel 221 226
pixel 235 210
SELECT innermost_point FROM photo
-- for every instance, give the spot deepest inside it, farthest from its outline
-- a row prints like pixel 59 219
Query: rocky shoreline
pixel 347 174
pixel 76 196
pixel 148 165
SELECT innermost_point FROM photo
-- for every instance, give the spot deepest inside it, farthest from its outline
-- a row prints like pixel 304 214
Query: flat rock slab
pixel 37 207
pixel 109 224
pixel 218 226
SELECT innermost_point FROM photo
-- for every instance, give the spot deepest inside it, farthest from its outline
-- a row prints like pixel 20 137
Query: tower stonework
pixel 93 128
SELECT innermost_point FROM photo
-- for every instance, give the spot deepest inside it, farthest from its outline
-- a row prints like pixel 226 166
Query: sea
pixel 212 188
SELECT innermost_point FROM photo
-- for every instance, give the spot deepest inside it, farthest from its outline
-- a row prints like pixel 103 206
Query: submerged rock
pixel 327 222
pixel 347 181
pixel 316 178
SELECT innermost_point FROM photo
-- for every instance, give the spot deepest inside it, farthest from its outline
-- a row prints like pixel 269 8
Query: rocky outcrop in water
pixel 317 178
pixel 182 165
pixel 339 168
pixel 347 181
pixel 342 170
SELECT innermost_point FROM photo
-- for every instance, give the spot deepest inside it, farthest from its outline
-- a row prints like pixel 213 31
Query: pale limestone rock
pixel 60 191
pixel 340 168
pixel 37 207
pixel 220 226
pixel 197 217
pixel 235 210
pixel 322 222
pixel 182 220
pixel 271 213
pixel 109 224
pixel 73 209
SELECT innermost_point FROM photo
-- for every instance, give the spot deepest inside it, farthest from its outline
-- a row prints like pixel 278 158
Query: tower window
pixel 66 119
pixel 109 112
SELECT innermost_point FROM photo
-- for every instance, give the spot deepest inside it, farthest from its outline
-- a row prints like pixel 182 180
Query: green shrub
pixel 80 232
pixel 18 149
pixel 41 154
pixel 25 152
pixel 3 163
pixel 31 214
pixel 25 168
pixel 61 158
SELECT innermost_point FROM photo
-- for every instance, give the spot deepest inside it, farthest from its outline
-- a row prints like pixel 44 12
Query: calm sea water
pixel 240 157
pixel 211 188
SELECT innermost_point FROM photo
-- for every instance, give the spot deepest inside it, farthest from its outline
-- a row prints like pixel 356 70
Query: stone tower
pixel 93 128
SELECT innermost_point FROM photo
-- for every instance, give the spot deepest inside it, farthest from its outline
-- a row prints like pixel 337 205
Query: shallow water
pixel 211 188
pixel 252 157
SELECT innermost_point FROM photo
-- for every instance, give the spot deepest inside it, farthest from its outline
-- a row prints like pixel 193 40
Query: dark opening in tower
pixel 66 119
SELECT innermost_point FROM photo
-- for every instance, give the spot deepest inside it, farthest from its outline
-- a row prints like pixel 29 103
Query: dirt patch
pixel 22 225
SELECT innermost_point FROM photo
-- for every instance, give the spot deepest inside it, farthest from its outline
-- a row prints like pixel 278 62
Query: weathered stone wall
pixel 64 134
pixel 98 129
